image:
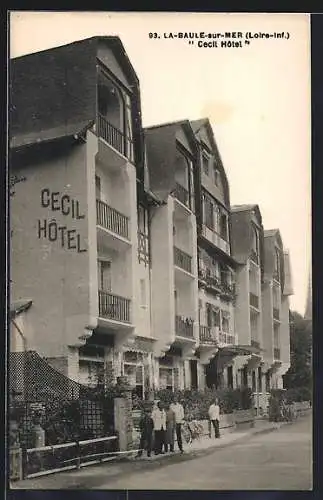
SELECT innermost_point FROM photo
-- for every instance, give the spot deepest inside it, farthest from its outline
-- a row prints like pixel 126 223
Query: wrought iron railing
pixel 182 194
pixel 184 326
pixel 206 335
pixel 276 313
pixel 227 289
pixel 254 300
pixel 111 219
pixel 182 260
pixel 276 353
pixel 115 137
pixel 114 307
pixel 226 338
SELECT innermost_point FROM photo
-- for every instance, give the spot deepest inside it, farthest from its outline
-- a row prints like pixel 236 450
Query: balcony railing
pixel 114 307
pixel 227 289
pixel 254 300
pixel 184 326
pixel 226 338
pixel 276 313
pixel 182 260
pixel 276 353
pixel 115 137
pixel 206 335
pixel 182 194
pixel 111 219
pixel 255 343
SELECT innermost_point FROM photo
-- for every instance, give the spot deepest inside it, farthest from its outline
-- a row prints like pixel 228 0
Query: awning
pixel 141 344
pixel 19 306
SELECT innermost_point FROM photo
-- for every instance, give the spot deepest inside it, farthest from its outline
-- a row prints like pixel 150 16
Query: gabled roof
pixel 274 233
pixel 248 208
pixel 113 41
pixel 186 124
pixel 205 122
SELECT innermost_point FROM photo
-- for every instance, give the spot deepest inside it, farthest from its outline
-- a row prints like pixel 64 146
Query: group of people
pixel 159 425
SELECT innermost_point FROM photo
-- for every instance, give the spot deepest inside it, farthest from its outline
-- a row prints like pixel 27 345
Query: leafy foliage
pixel 299 376
pixel 196 403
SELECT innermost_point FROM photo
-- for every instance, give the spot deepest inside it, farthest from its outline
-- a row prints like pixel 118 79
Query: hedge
pixel 197 403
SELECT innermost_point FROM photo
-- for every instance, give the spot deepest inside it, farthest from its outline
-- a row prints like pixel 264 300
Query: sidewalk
pixel 83 478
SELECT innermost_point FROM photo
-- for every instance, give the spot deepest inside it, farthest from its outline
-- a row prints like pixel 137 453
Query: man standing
pixel 159 419
pixel 179 418
pixel 146 430
pixel 214 416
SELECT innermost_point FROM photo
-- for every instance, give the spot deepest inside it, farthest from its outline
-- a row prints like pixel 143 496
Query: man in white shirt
pixel 214 416
pixel 159 418
pixel 179 419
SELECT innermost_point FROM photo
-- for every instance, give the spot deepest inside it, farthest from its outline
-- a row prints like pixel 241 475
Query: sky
pixel 256 96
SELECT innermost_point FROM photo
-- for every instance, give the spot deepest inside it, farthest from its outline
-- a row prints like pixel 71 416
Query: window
pixel 253 381
pixel 267 382
pixel 143 298
pixel 277 265
pixel 205 162
pixel 230 377
pixel 225 322
pixel 200 311
pixel 216 173
pixel 259 379
pixel 176 302
pixel 224 226
pixel 209 213
pixel 104 275
pixel 97 187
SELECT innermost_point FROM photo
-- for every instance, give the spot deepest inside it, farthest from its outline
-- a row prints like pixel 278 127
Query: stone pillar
pixel 123 415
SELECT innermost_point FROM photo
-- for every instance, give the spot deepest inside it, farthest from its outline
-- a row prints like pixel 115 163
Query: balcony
pixel 207 335
pixel 227 290
pixel 276 313
pixel 114 307
pixel 112 220
pixel 211 235
pixel 255 343
pixel 115 138
pixel 227 338
pixel 276 353
pixel 254 300
pixel 182 260
pixel 184 327
pixel 182 194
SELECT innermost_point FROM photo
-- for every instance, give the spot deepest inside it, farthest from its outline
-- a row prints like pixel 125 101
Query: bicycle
pixel 192 430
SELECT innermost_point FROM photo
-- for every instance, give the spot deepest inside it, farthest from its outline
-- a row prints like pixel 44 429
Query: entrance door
pixel 193 367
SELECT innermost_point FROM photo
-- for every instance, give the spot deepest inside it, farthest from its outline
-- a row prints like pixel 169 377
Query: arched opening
pixel 110 103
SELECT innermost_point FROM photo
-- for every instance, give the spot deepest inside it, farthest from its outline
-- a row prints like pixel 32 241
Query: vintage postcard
pixel 160 251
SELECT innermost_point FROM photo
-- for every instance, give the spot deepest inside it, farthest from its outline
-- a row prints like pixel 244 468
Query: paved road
pixel 280 460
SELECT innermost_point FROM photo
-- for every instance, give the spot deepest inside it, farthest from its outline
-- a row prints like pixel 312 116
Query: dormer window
pixel 277 265
pixel 216 176
pixel 255 245
pixel 205 162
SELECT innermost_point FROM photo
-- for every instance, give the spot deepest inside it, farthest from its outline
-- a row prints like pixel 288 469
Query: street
pixel 279 460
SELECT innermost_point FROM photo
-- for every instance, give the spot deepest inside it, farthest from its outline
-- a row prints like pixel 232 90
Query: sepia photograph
pixel 160 282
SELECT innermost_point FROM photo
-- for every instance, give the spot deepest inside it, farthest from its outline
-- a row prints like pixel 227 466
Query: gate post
pixel 123 415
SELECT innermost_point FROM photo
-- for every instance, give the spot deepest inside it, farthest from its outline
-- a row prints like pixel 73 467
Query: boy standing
pixel 179 419
pixel 214 416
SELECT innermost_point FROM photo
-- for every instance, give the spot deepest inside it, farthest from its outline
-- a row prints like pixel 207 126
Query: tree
pixel 299 375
